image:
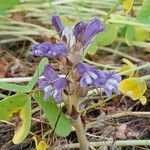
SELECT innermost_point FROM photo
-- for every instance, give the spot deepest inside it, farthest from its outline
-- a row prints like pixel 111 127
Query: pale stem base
pixel 78 125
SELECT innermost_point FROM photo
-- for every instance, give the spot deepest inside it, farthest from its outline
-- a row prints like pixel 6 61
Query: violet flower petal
pixel 92 29
pixel 49 50
pixel 50 74
pixel 52 84
pixel 109 84
pixel 60 83
pixel 57 49
pixel 58 95
pixel 41 49
pixel 89 75
pixel 79 30
pixel 57 24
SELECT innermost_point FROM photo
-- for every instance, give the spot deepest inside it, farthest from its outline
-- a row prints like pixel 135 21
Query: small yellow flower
pixel 134 88
pixel 41 145
pixel 128 5
pixel 128 65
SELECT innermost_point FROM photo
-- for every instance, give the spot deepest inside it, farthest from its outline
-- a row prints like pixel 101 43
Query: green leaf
pixel 37 73
pixel 2 11
pixel 129 35
pixel 8 3
pixel 92 49
pixel 143 14
pixel 52 111
pixel 13 87
pixel 140 34
pixel 135 33
pixel 17 107
pixel 30 85
pixel 108 36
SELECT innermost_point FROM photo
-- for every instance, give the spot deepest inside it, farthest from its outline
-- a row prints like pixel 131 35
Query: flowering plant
pixel 76 76
pixel 71 82
pixel 68 51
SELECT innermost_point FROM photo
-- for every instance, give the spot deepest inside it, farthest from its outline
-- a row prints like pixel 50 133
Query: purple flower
pixel 89 75
pixel 57 24
pixel 52 84
pixel 85 32
pixel 109 82
pixel 79 30
pixel 49 50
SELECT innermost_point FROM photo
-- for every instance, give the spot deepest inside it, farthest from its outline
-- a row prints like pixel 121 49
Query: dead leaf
pixel 121 131
pixel 132 134
pixel 15 66
pixel 3 67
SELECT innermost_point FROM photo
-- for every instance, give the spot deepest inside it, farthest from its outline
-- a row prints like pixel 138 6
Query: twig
pixel 99 65
pixel 120 53
pixel 99 104
pixel 112 10
pixel 135 69
pixel 16 80
pixel 117 143
pixel 137 43
pixel 2 95
pixel 122 114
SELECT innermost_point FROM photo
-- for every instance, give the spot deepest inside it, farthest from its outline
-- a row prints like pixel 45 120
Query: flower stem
pixel 99 104
pixel 135 69
pixel 99 65
pixel 117 143
pixel 76 119
pixel 119 53
pixel 78 125
pixel 112 10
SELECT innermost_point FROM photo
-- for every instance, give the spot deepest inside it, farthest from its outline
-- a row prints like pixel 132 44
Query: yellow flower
pixel 41 145
pixel 128 65
pixel 128 5
pixel 134 88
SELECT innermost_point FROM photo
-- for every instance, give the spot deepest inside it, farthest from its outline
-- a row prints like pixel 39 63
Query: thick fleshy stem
pixel 77 121
pixel 78 125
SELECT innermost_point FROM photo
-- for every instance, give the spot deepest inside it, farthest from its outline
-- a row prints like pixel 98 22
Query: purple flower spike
pixel 52 84
pixel 49 50
pixel 92 29
pixel 57 24
pixel 88 74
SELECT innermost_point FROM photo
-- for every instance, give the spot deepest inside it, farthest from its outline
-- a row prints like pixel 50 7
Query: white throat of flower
pixel 70 37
